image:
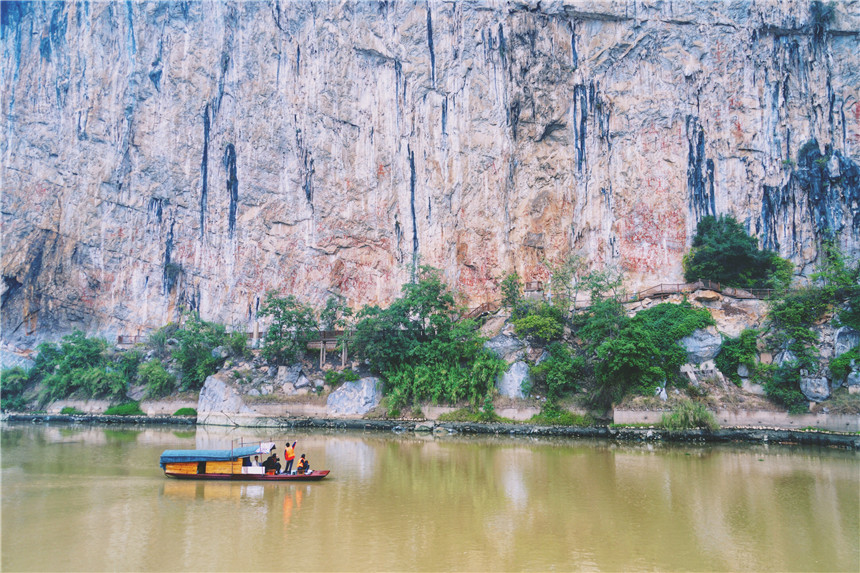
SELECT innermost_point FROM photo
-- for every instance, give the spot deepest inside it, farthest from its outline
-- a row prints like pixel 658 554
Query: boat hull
pixel 314 476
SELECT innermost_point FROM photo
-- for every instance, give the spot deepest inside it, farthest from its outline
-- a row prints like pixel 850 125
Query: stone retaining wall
pixel 759 435
pixel 755 419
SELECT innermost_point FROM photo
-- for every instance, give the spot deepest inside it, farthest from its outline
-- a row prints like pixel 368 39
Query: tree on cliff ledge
pixel 292 325
pixel 723 252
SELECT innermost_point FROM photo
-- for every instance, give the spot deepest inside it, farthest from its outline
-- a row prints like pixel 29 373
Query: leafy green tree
pixel 293 325
pixel 840 281
pixel 602 321
pixel 511 288
pixel 336 314
pixel 13 382
pixel 422 350
pixel 197 340
pixel 566 282
pixel 722 251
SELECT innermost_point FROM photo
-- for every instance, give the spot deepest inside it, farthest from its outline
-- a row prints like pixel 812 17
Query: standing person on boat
pixel 289 456
pixel 304 466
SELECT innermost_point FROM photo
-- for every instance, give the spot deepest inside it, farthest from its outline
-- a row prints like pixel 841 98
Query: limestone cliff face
pixel 160 156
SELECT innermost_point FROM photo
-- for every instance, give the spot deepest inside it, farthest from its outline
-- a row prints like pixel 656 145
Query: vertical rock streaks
pixel 511 133
pixel 232 187
pixel 204 171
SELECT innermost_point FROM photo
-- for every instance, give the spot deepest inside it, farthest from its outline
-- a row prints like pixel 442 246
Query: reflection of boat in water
pixel 232 464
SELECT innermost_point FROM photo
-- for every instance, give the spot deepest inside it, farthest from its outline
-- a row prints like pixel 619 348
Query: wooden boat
pixel 232 464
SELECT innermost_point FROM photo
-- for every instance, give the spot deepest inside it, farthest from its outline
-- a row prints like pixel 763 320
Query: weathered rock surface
pixel 703 345
pixel 160 156
pixel 508 348
pixel 846 339
pixel 355 398
pixel 816 388
pixel 221 402
pixel 510 383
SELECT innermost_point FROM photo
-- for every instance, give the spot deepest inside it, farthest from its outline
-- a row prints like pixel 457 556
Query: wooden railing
pixel 667 289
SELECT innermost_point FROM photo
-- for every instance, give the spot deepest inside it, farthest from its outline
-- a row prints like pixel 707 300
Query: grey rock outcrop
pixel 508 348
pixel 159 156
pixel 220 403
pixel 355 398
pixel 703 345
pixel 510 383
pixel 816 388
pixel 845 339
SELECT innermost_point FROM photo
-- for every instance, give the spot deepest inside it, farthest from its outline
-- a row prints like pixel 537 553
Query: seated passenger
pixel 271 463
pixel 304 467
pixel 255 462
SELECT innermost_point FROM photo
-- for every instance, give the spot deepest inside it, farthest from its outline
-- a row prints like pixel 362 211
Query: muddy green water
pixel 84 498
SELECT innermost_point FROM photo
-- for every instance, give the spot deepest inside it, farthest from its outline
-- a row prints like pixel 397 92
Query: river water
pixel 93 498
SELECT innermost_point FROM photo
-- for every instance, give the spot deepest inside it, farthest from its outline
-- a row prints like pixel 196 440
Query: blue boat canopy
pixel 178 456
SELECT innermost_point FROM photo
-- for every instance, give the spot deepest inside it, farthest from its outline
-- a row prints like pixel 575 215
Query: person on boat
pixel 289 456
pixel 255 462
pixel 272 463
pixel 304 466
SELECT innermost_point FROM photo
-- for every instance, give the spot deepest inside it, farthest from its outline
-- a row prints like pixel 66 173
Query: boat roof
pixel 177 456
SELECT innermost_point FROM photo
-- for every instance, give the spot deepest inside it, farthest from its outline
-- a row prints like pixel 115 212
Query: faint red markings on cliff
pixel 649 234
pixel 381 171
pixel 737 130
pixel 719 52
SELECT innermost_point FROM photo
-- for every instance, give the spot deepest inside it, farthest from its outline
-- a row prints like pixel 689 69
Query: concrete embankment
pixel 753 435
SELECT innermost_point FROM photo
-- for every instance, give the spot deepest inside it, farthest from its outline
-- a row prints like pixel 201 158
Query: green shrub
pixel 559 372
pixel 688 415
pixel 71 411
pixel 126 409
pixel 409 384
pixel 237 342
pixel 158 339
pixel 840 367
pixel 554 416
pixel 101 382
pixel 542 322
pixel 13 382
pixel 782 385
pixel 126 364
pixel 722 251
pixel 185 412
pixel 77 364
pixel 159 382
pixel 474 416
pixel 645 354
pixel 333 377
pixel 336 314
pixel 737 351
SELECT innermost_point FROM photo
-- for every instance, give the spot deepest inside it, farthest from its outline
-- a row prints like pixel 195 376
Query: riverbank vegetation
pixel 590 356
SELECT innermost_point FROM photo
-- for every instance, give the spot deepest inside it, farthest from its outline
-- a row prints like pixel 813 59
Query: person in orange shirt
pixel 289 456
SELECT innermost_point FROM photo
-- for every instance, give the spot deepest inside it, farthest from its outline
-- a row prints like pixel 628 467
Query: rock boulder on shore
pixel 355 398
